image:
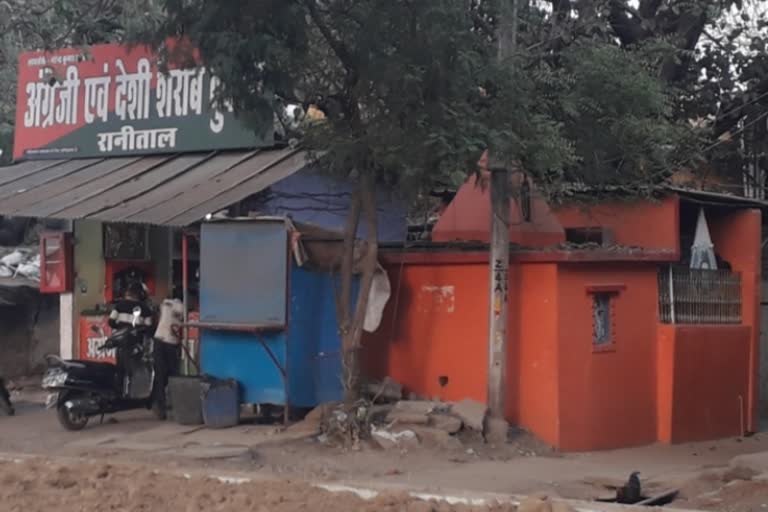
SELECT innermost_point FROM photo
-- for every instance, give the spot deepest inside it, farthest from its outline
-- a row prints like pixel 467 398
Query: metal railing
pixel 693 296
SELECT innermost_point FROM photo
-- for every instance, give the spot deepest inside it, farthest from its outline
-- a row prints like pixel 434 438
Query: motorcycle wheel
pixel 5 406
pixel 68 420
pixel 159 411
pixel 5 400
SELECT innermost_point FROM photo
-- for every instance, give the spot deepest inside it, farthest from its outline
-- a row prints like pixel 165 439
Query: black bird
pixel 631 492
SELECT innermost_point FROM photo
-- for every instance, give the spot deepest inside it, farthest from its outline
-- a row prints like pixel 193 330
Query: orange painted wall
pixel 533 399
pixel 434 325
pixel 607 397
pixel 665 372
pixel 701 378
pixel 467 217
pixel 737 238
pixel 650 225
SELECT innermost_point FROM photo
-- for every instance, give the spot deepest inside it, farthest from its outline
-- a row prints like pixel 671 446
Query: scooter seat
pixel 98 371
pixel 79 364
pixel 90 365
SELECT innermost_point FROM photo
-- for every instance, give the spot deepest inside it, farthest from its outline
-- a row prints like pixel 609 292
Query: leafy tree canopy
pixel 413 91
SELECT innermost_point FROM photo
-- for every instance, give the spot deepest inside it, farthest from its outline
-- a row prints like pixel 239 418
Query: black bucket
pixel 185 394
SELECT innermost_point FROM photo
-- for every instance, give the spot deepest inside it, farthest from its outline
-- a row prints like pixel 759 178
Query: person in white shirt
pixel 167 346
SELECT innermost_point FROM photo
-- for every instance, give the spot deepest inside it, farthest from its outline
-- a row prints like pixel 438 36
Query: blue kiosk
pixel 266 321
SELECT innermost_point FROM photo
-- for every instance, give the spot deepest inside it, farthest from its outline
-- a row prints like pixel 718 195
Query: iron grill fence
pixel 697 296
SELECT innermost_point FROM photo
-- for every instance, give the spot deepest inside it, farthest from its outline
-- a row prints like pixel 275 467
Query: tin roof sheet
pixel 173 190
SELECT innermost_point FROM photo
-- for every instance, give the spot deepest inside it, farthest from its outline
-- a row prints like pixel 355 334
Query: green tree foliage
pixel 413 91
pixel 709 54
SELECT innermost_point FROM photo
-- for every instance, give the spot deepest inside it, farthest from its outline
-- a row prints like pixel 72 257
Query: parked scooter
pixel 81 390
pixel 5 399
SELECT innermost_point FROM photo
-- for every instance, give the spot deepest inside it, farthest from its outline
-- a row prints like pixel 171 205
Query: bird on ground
pixel 631 492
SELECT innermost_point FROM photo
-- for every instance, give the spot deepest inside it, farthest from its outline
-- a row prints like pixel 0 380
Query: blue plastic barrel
pixel 221 403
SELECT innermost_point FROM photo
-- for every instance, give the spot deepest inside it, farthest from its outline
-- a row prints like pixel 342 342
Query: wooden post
pixel 185 298
pixel 499 281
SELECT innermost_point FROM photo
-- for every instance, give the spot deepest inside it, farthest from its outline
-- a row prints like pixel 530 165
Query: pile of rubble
pixel 436 424
pixel 20 262
pixel 390 422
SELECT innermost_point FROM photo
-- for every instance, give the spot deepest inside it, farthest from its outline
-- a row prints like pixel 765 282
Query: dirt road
pixel 39 486
pixel 263 452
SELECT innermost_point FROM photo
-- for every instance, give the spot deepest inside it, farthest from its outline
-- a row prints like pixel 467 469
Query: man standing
pixel 121 317
pixel 168 345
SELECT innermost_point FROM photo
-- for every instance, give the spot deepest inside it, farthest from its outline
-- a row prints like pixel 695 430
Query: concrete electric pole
pixel 499 247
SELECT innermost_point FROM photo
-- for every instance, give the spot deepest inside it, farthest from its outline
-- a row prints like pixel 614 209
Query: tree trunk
pixel 351 320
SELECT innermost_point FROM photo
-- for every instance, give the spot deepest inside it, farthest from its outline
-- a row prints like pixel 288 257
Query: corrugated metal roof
pixel 718 198
pixel 174 190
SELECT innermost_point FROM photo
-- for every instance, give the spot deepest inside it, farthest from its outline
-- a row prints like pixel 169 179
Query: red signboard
pixel 56 262
pixel 111 100
pixel 94 331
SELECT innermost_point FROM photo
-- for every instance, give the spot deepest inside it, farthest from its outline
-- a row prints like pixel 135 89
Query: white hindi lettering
pixel 46 94
pixel 196 82
pixel 130 139
pixel 97 97
pixel 66 110
pixel 133 91
pixel 52 103
pixel 217 117
pixel 166 138
pixel 180 92
pixel 32 115
pixel 105 142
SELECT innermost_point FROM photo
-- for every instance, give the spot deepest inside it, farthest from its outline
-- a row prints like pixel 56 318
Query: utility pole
pixel 499 280
pixel 499 249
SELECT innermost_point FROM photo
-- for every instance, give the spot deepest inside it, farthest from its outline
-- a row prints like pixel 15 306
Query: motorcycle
pixel 80 390
pixel 5 399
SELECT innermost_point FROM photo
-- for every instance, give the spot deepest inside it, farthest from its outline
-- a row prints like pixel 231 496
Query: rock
pixel 419 406
pixel 496 431
pixel 414 412
pixel 436 438
pixel 387 439
pixel 471 412
pixel 404 417
pixel 561 506
pixel 739 473
pixel 757 462
pixel 445 422
pixel 388 390
pixel 541 502
pixel 321 412
pixel 421 506
pixel 379 412
pixel 314 419
pixel 532 504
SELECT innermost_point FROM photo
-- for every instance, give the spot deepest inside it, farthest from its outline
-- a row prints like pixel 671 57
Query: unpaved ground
pixel 37 486
pixel 735 496
pixel 521 467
